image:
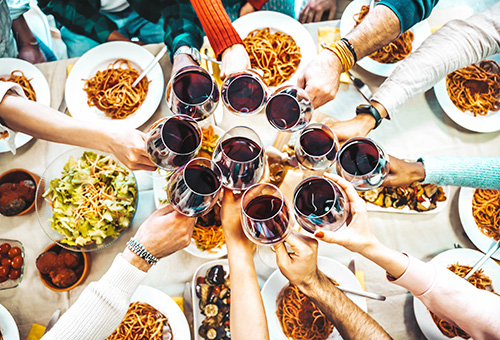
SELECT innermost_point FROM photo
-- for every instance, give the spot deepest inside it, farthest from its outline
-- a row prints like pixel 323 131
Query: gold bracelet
pixel 343 52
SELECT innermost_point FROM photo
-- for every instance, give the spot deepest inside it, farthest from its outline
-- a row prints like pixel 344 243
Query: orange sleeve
pixel 217 25
pixel 257 4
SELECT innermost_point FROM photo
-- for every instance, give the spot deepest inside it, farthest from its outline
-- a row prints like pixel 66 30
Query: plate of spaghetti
pixel 8 327
pixel 285 305
pixel 277 44
pixel 383 61
pixel 470 96
pixel 479 211
pixel 459 262
pixel 99 87
pixel 34 85
pixel 150 310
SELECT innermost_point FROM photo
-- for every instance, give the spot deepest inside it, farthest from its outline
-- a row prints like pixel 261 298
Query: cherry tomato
pixel 15 251
pixel 5 261
pixel 4 271
pixel 4 248
pixel 3 278
pixel 17 262
pixel 14 274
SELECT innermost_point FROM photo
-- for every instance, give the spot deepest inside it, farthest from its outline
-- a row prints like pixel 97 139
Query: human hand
pixel 246 9
pixel 231 221
pixel 360 125
pixel 321 78
pixel 181 60
pixel 358 236
pixel 234 59
pixel 299 267
pixel 31 53
pixel 313 11
pixel 404 173
pixel 129 146
pixel 117 36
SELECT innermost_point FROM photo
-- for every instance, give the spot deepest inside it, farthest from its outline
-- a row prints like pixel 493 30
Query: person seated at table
pixel 16 38
pixel 17 113
pixel 475 172
pixel 457 44
pixel 103 304
pixel 447 295
pixel 383 24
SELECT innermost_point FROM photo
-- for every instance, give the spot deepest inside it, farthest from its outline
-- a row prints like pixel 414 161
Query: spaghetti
pixel 276 54
pixel 207 232
pixel 111 90
pixel 479 280
pixel 475 88
pixel 392 52
pixel 18 77
pixel 299 317
pixel 142 321
pixel 486 212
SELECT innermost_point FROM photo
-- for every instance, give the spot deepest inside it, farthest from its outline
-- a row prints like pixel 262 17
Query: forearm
pixel 346 316
pixel 392 261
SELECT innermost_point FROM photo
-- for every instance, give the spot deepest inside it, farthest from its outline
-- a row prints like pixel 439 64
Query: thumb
pixel 282 257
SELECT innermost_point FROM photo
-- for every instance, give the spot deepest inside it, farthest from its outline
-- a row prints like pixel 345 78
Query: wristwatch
pixel 371 110
pixel 190 51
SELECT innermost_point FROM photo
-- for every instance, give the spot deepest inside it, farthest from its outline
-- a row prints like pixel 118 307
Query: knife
pixel 187 306
pixel 150 65
pixel 52 321
pixel 361 87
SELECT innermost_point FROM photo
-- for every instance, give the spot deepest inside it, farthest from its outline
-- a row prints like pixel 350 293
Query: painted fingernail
pixel 319 234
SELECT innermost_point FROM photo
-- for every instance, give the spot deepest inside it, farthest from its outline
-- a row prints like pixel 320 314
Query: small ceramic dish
pixel 17 176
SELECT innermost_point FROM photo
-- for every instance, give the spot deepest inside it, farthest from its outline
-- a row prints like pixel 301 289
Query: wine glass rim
pixel 283 201
pixel 359 139
pixel 250 74
pixel 271 121
pixel 212 163
pixel 186 69
pixel 233 160
pixel 197 127
pixel 321 125
pixel 332 184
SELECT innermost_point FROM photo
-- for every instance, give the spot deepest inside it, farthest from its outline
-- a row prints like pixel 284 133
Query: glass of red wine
pixel 240 157
pixel 289 109
pixel 316 147
pixel 363 162
pixel 173 141
pixel 192 91
pixel 320 203
pixel 194 188
pixel 265 215
pixel 244 93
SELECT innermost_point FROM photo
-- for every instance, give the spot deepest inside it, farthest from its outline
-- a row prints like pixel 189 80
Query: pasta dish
pixel 18 77
pixel 299 317
pixel 207 232
pixel 111 90
pixel 479 280
pixel 276 54
pixel 486 212
pixel 142 321
pixel 475 88
pixel 392 52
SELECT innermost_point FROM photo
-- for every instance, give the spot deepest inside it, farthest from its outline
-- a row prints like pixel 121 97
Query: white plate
pixel 487 123
pixel 480 240
pixel 465 257
pixel 39 83
pixel 421 31
pixel 167 306
pixel 200 272
pixel 283 23
pixel 276 282
pixel 99 58
pixel 8 325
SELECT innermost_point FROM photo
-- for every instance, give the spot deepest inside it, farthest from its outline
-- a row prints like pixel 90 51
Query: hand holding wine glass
pixel 244 93
pixel 316 147
pixel 289 109
pixel 231 222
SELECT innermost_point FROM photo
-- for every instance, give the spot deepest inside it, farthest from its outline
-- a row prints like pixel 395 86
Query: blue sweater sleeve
pixel 410 12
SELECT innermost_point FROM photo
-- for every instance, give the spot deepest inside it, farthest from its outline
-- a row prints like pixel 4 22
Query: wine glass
pixel 244 93
pixel 192 91
pixel 240 157
pixel 316 147
pixel 363 162
pixel 194 188
pixel 265 215
pixel 289 109
pixel 173 141
pixel 319 203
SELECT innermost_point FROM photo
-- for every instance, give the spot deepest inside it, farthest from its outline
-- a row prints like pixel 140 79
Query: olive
pixel 215 275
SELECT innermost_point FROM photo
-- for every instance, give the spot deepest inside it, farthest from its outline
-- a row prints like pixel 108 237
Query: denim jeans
pixel 129 24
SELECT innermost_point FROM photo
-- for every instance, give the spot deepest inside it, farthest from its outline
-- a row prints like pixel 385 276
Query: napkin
pixel 36 332
pixel 178 301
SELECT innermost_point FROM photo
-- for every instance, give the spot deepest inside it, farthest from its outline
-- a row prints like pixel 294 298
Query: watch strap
pixel 190 51
pixel 370 109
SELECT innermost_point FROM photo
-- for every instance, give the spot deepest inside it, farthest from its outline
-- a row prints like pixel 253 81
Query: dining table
pixel 421 129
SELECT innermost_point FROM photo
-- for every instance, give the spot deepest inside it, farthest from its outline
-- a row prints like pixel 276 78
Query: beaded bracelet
pixel 137 248
pixel 351 48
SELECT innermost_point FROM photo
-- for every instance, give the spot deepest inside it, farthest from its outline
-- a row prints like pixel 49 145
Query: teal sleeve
pixel 410 12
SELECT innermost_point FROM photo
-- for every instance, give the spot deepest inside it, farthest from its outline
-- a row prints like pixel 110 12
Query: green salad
pixel 94 198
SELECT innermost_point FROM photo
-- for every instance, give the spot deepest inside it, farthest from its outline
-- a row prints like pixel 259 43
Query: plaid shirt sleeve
pixel 182 26
pixel 82 17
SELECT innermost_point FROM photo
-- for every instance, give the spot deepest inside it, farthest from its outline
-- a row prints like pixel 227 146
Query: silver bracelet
pixel 137 248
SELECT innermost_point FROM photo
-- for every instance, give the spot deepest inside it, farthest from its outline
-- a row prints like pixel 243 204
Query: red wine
pixel 283 111
pixel 201 179
pixel 314 197
pixel 268 222
pixel 359 158
pixel 193 87
pixel 245 94
pixel 318 142
pixel 241 149
pixel 180 136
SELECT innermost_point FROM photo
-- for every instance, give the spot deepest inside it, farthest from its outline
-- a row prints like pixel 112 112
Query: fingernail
pixel 319 234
